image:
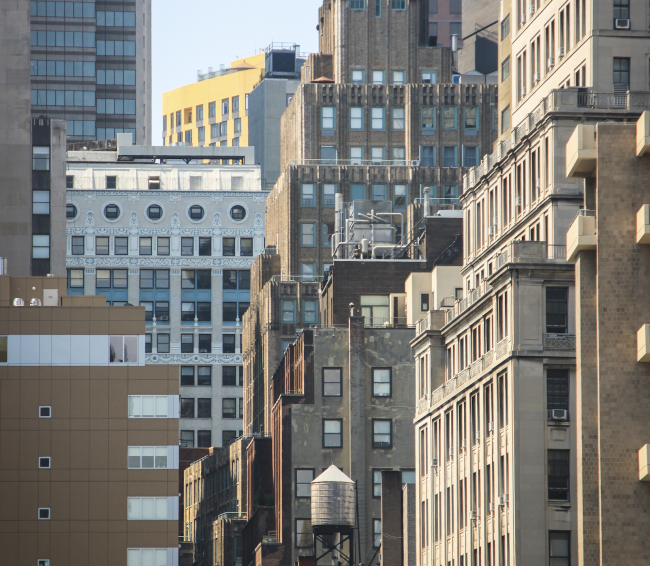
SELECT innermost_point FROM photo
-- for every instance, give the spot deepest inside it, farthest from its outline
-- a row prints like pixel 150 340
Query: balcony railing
pixel 502 347
pixel 391 322
pixel 555 251
pixel 422 405
pixel 559 342
pixel 462 305
pixel 232 515
pixel 297 278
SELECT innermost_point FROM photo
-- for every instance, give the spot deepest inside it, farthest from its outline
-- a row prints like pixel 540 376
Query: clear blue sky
pixel 189 35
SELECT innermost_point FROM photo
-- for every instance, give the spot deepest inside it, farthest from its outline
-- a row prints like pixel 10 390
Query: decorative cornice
pixel 169 262
pixel 216 196
pixel 187 359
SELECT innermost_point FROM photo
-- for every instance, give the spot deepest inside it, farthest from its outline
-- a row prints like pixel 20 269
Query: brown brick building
pixel 88 433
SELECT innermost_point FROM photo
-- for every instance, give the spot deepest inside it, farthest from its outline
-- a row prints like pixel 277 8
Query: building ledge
pixel 643 225
pixel 643 134
pixel 644 463
pixel 581 234
pixel 582 152
pixel 643 344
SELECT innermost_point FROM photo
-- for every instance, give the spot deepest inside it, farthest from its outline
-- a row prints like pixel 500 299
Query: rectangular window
pixel 356 155
pixel 357 4
pixel 505 69
pixel 428 77
pixel 307 192
pixel 77 245
pixel 471 117
pixel 557 308
pixel 378 116
pixel 147 509
pixel 399 77
pixel 187 375
pixel 187 343
pixel 163 343
pixel 558 475
pixel 76 278
pixel 304 477
pixel 358 77
pixel 378 77
pixel 328 231
pixel 224 106
pixel 288 311
pixel 399 155
pixel 376 483
pixel 505 27
pixel 400 196
pixel 228 246
pixel 204 408
pixel 145 246
pixel 204 438
pixel 357 192
pixel 329 190
pixel 310 311
pixel 356 118
pixel 229 408
pixel 557 389
pixel 212 109
pixel 332 433
pixel 229 376
pixel 449 156
pixel 246 247
pixel 228 346
pixel 379 192
pixel 123 349
pixel 328 154
pixel 470 156
pixel 162 245
pixel 187 246
pixel 621 9
pixel 304 534
pixel 40 158
pixel 398 4
pixel 376 530
pixel 332 382
pixel 187 408
pixel 559 550
pixel 328 118
pixel 381 382
pixel 308 234
pixel 428 155
pixel 205 343
pixel 377 155
pixel 147 457
pixel 621 74
pixel 121 246
pixel 398 118
pixel 148 406
pixel 382 433
pixel 449 117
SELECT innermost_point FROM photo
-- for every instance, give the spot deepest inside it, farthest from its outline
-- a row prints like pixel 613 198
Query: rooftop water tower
pixel 333 513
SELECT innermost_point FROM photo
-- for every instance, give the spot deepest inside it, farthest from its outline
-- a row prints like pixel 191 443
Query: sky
pixel 189 35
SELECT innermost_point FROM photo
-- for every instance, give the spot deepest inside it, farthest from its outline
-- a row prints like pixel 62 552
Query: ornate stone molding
pixel 169 262
pixel 190 359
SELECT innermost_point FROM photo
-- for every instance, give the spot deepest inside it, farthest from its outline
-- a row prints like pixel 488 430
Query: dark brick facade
pixel 392 543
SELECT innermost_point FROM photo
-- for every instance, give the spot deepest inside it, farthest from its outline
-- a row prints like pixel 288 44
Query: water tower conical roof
pixel 333 475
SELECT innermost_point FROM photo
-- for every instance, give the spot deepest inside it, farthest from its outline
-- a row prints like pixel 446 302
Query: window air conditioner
pixel 490 427
pixel 551 62
pixel 523 19
pixel 536 77
pixel 559 414
pixel 621 24
pixel 503 500
pixel 203 350
pixel 532 9
pixel 415 163
pixel 517 201
pixel 523 91
pixel 478 436
pixel 560 52
pixel 492 506
pixel 491 230
pixel 163 318
pixel 473 515
pixel 434 462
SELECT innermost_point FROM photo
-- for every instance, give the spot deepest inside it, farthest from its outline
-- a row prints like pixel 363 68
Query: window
pixel 310 311
pixel 505 69
pixel 44 513
pixel 228 246
pixel 356 118
pixel 332 382
pixel 187 375
pixel 377 155
pixel 40 202
pixel 377 118
pixel 505 27
pixel 187 438
pixel 307 192
pixel 304 477
pixel 621 9
pixel 163 343
pixel 124 349
pixel 71 211
pixel 470 156
pixel 162 246
pixel 307 271
pixel 238 213
pixel 399 77
pixel 381 382
pixel 205 343
pixel 41 158
pixel 449 156
pixel 621 74
pixel 376 529
pixel 229 376
pixel 400 196
pixel 121 246
pixel 424 302
pixel 204 408
pixel 398 118
pixel 381 433
pixel 328 118
pixel 147 509
pixel 304 534
pixel 187 246
pixel 228 343
pixel 328 154
pixel 204 438
pixel 428 77
pixel 332 433
pixel 288 311
pixel 398 4
pixel 378 77
pixel 357 192
pixel 471 117
pixel 44 412
pixel 145 246
pixel 557 389
pixel 329 190
pixel 148 406
pixel 147 457
pixel 375 309
pixel 399 155
pixel 246 247
pixel 229 408
pixel 449 117
pixel 505 119
pixel 557 309
pixel 558 475
pixel 358 77
pixel 224 106
pixel 308 234
pixel 44 562
pixel 428 155
pixel 44 462
pixel 197 212
pixel 77 245
pixel 356 155
pixel 559 548
pixel 187 343
pixel 376 483
pixel 187 408
pixel 111 182
pixel 148 346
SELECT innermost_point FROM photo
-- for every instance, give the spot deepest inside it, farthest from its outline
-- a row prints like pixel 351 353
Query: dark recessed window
pixel 70 211
pixel 154 212
pixel 238 212
pixel 112 211
pixel 197 212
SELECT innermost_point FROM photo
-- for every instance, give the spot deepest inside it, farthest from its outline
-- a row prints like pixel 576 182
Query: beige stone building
pixel 89 434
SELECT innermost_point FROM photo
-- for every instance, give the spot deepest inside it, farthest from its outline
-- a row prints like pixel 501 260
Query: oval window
pixel 154 212
pixel 196 212
pixel 112 211
pixel 238 212
pixel 70 211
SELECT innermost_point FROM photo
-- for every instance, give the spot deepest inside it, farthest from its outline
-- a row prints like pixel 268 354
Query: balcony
pixel 582 152
pixel 559 342
pixel 392 322
pixel 433 321
pixel 581 234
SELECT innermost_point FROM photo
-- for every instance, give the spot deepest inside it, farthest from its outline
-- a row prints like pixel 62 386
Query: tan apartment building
pixel 89 445
pixel 608 244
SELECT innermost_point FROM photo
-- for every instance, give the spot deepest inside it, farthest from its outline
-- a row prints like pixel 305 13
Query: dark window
pixel 304 477
pixel 229 279
pixel 238 213
pixel 381 382
pixel 228 343
pixel 244 280
pixel 188 279
pixel 424 302
pixel 204 438
pixel 112 211
pixel 229 246
pixel 332 382
pixel 197 212
pixel 187 343
pixel 332 433
pixel 111 182
pixel 557 389
pixel 621 72
pixel 557 308
pixel 163 343
pixel 205 343
pixel 229 312
pixel 187 246
pixel 77 245
pixel 163 246
pixel 154 212
pixel 146 278
pixel 621 9
pixel 187 408
pixel 205 246
pixel 70 211
pixel 204 375
pixel 240 371
pixel 204 408
pixel 145 246
pixel 188 312
pixel 559 550
pixel 69 181
pixel 243 307
pixel 229 408
pixel 246 247
pixel 382 433
pixel 147 344
pixel 162 311
pixel 227 436
pixel 187 438
pixel 121 246
pixel 229 375
pixel 187 375
pixel 304 534
pixel 558 475
pixel 203 312
pixel 203 279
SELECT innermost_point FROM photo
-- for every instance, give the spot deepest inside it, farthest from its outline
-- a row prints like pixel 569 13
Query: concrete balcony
pixel 643 225
pixel 644 463
pixel 581 234
pixel 643 134
pixel 559 342
pixel 643 344
pixel 582 152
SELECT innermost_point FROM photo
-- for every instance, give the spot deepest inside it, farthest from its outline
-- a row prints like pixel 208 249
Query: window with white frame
pixel 382 433
pixel 356 118
pixel 147 509
pixel 428 77
pixel 123 350
pixel 148 406
pixel 381 382
pixel 147 457
pixel 378 77
pixel 332 433
pixel 146 557
pixel 328 118
pixel 378 118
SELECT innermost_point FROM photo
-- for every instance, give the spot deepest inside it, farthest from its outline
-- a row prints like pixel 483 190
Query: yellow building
pixel 214 110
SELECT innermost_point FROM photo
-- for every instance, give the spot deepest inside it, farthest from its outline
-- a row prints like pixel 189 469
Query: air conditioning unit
pixel 523 91
pixel 464 444
pixel 560 52
pixel 551 62
pixel 434 462
pixel 536 77
pixel 538 183
pixel 478 436
pixel 163 318
pixel 532 9
pixel 473 515
pixel 491 506
pixel 503 500
pixel 490 427
pixel 517 201
pixel 559 414
pixel 415 163
pixel 621 24
pixel 523 19
pixel 203 351
pixel 491 231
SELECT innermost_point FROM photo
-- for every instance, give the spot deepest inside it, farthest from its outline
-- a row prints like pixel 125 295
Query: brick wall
pixel 408 524
pixel 392 548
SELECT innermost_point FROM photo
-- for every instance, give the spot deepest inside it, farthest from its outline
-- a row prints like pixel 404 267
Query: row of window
pixel 159 279
pixel 377 118
pixel 382 433
pixel 185 116
pixel 64 98
pixel 162 246
pixel 204 408
pixel 154 212
pixel 62 9
pixel 118 48
pixel 115 19
pixel 187 343
pixel 110 133
pixel 115 106
pixel 62 39
pixel 220 129
pixel 428 155
pixel 63 68
pixel 394 4
pixel 231 376
pixel 358 77
pixel 115 77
